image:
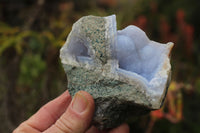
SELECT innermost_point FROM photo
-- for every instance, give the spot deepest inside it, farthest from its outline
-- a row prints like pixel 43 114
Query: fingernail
pixel 65 93
pixel 79 103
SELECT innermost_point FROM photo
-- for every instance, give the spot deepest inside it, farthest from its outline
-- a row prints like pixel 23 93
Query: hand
pixel 64 115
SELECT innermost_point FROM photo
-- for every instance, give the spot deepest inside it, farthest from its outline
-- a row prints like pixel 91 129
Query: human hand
pixel 64 115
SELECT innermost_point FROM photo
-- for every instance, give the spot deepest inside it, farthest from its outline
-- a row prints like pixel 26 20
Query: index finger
pixel 49 113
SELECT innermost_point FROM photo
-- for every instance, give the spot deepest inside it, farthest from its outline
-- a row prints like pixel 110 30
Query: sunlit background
pixel 33 31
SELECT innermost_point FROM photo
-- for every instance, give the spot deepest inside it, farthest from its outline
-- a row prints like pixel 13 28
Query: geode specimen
pixel 126 73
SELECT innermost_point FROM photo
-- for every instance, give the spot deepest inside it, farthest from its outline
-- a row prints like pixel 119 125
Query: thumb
pixel 77 117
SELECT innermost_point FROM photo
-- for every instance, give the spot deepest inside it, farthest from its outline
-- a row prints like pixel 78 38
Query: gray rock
pixel 126 73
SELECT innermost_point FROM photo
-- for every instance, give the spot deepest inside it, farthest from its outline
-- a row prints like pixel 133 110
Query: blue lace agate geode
pixel 125 72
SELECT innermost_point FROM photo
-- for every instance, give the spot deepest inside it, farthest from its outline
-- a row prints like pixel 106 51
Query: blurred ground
pixel 33 31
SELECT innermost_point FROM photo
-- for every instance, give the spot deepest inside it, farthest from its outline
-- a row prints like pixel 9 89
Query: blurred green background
pixel 33 31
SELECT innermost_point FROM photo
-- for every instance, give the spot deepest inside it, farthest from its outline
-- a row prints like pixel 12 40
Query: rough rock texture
pixel 125 72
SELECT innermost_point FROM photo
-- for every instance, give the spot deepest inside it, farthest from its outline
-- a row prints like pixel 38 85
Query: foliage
pixel 32 32
pixel 30 68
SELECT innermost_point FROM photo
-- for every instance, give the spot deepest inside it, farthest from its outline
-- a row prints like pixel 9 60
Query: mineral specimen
pixel 126 73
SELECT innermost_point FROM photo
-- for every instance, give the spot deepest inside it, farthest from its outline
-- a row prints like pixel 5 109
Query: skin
pixel 66 115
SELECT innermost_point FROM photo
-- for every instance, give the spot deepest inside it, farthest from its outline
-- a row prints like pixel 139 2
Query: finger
pixel 77 117
pixel 49 113
pixel 124 128
pixel 25 128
